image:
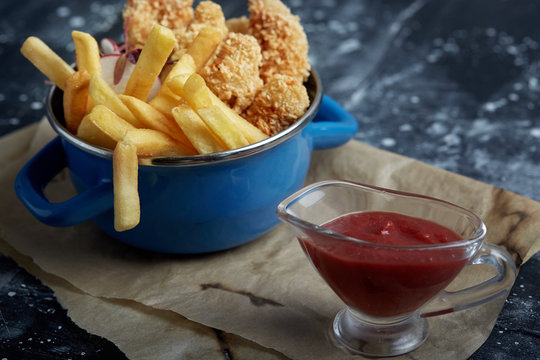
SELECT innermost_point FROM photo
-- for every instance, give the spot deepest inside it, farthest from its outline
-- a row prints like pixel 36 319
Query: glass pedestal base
pixel 379 339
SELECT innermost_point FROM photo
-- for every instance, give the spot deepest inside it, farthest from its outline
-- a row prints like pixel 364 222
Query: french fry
pixel 165 97
pixel 47 61
pixel 127 208
pixel 155 143
pixel 103 94
pixel 102 127
pixel 87 52
pixel 154 119
pixel 222 126
pixel 165 103
pixel 76 99
pixel 204 46
pixel 197 131
pixel 175 86
pixel 196 56
pixel 153 57
pixel 197 94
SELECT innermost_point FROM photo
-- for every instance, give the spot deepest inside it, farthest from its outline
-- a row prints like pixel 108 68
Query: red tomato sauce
pixel 385 281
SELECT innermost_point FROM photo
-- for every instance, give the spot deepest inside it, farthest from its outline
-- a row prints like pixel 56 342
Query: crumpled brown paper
pixel 265 291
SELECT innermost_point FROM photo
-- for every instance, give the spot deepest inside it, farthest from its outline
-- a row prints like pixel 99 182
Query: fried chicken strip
pixel 141 15
pixel 279 103
pixel 282 38
pixel 233 72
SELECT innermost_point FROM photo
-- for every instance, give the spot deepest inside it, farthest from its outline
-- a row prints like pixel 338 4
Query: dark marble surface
pixel 454 84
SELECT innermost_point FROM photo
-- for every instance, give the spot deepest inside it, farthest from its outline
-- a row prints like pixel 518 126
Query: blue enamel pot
pixel 195 204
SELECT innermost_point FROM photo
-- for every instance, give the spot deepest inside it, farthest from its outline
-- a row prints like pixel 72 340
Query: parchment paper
pixel 265 291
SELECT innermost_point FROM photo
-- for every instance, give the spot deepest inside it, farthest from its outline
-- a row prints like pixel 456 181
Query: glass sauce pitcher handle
pixel 451 301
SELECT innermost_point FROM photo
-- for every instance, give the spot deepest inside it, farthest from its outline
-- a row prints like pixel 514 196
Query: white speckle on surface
pixel 36 105
pixel 533 83
pixel 2 97
pixel 63 11
pixel 70 47
pixel 513 97
pixel 451 140
pixel 59 327
pixel 77 21
pixel 518 86
pixel 12 293
pixel 434 56
pixel 405 127
pixel 295 3
pixel 512 50
pixel 535 132
pixel 388 142
pixel 349 46
pixel 451 47
pixel 414 99
pixel 491 32
pixel 23 97
pixel 492 106
pixel 437 128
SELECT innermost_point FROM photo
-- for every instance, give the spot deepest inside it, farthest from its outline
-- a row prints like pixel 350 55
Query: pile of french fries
pixel 184 118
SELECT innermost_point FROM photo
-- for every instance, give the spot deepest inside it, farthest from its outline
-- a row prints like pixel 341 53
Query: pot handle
pixel 39 171
pixel 332 126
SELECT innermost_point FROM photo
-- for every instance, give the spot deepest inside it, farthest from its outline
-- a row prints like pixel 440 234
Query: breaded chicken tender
pixel 280 102
pixel 141 15
pixel 282 38
pixel 233 72
pixel 207 14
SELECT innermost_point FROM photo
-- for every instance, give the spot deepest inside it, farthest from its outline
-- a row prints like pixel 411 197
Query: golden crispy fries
pixel 127 208
pixel 87 52
pixel 103 94
pixel 200 135
pixel 165 97
pixel 47 61
pixel 184 65
pixel 76 99
pixel 165 103
pixel 222 126
pixel 197 94
pixel 102 127
pixel 155 143
pixel 204 46
pixel 197 55
pixel 154 119
pixel 153 57
pixel 175 86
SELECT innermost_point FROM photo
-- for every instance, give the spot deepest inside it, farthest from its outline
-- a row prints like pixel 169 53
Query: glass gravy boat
pixel 389 290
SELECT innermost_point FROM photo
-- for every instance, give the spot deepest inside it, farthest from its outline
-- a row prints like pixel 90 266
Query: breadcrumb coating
pixel 238 25
pixel 233 72
pixel 141 15
pixel 279 103
pixel 282 38
pixel 207 14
